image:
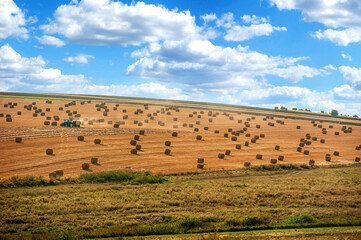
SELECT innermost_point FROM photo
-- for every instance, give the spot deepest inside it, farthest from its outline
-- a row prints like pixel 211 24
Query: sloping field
pixel 116 121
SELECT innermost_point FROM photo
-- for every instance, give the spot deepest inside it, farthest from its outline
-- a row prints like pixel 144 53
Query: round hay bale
pixel 205 128
pixel 258 126
pixel 298 127
pixel 9 119
pixel 306 152
pixel 80 138
pixel 273 161
pixel 97 141
pixel 357 159
pixel 277 147
pixel 262 135
pixel 142 132
pixel 247 164
pixel 167 151
pixel 308 143
pixel 281 158
pixel 59 173
pixel 200 165
pixel 216 131
pixel 18 113
pixel 299 149
pixel 225 135
pixel 238 146
pixel 229 129
pixel 49 151
pixel 18 139
pixel 136 137
pixel 54 124
pixel 246 143
pixel 228 152
pixel 256 137
pixel 174 134
pixel 191 125
pixel 168 143
pixel 221 155
pixel 311 162
pixel 259 156
pixel 302 144
pixel 133 142
pixel 134 151
pixel 324 132
pixel 248 135
pixel 138 147
pixel 200 160
pixel 47 109
pixel 116 125
pixel 52 175
pixel 314 138
pixel 174 126
pixel 253 140
pixel 35 114
pixel 336 153
pixel 337 133
pixel 46 123
pixel 199 137
pixel 322 141
pixel 85 166
pixel 234 138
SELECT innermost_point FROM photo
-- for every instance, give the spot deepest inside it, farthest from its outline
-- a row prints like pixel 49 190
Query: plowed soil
pixel 29 157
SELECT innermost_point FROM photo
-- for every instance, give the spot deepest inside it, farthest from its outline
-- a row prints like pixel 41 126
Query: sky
pixel 264 53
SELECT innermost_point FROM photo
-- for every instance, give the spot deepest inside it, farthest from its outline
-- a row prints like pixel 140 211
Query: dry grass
pixel 330 195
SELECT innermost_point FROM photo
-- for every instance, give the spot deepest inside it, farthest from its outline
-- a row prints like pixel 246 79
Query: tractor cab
pixel 68 123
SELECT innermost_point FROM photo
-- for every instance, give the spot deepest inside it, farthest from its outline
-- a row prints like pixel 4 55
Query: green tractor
pixel 68 123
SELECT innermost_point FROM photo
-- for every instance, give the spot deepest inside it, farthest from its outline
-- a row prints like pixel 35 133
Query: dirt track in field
pixel 29 157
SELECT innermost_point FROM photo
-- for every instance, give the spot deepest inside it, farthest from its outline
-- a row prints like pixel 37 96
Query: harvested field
pixel 29 158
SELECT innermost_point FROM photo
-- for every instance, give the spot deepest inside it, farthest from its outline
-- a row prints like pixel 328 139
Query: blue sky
pixel 293 53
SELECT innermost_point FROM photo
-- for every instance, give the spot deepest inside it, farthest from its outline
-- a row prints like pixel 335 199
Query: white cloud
pixel 12 20
pixel 343 17
pixel 241 33
pixel 200 63
pixel 346 56
pixel 80 58
pixel 254 19
pixel 226 21
pixel 30 74
pixel 340 37
pixel 352 76
pixel 209 17
pixel 105 22
pixel 50 40
pixel 346 91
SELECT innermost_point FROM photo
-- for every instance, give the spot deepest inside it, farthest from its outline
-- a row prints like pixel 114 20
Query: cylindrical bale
pixel 94 160
pixel 174 134
pixel 314 138
pixel 322 141
pixel 308 142
pixel 199 137
pixel 234 138
pixel 262 135
pixel 59 173
pixel 336 153
pixel 256 137
pixel 247 164
pixel 238 146
pixel 168 143
pixel 85 166
pixel 357 159
pixel 246 143
pixel 52 175
pixel 306 152
pixel 253 140
pixel 97 141
pixel 136 137
pixel 298 127
pixel 281 158
pixel 200 165
pixel 221 155
pixel 167 151
pixel 49 151
pixel 19 113
pixel 141 132
pixel 273 161
pixel 138 147
pixel 259 156
pixel 337 133
pixel 311 162
pixel 225 135
pixel 80 138
pixel 205 128
pixel 228 152
pixel 258 126
pixel 134 151
pixel 18 139
pixel 277 147
pixel 200 160
pixel 229 129
pixel 191 125
pixel 54 124
pixel 133 142
pixel 299 149
pixel 248 135
pixel 216 131
pixel 302 144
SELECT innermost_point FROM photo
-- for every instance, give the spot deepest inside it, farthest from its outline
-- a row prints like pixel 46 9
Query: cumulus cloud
pixel 12 20
pixel 50 40
pixel 113 23
pixel 200 63
pixel 80 59
pixel 346 56
pixel 31 74
pixel 343 17
pixel 352 76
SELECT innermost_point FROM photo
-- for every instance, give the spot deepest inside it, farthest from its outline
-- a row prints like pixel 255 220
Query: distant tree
pixel 355 116
pixel 334 112
pixel 294 109
pixel 283 108
pixel 300 109
pixel 322 111
pixel 276 108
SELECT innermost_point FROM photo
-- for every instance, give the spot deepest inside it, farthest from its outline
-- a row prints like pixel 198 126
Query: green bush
pixel 301 219
pixel 233 222
pixel 189 222
pixel 254 220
